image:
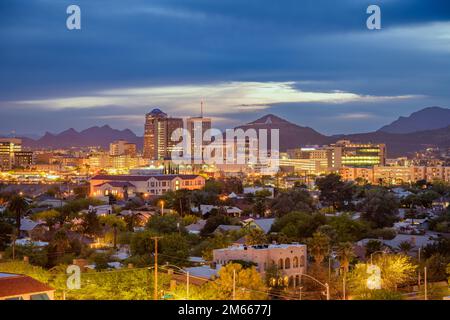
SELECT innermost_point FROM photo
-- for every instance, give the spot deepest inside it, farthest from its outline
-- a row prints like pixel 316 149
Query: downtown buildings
pixel 12 155
pixel 158 131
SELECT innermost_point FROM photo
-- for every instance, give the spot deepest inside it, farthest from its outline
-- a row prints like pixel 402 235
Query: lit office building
pixel 122 147
pixel 359 154
pixel 8 148
pixel 157 135
pixel 23 159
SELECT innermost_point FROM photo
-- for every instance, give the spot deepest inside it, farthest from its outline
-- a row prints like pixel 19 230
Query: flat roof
pixel 264 247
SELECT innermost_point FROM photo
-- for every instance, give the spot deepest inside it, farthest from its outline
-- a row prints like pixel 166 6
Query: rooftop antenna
pixel 201 109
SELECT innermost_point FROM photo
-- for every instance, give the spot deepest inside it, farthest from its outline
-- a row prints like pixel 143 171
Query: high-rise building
pixel 197 127
pixel 8 148
pixel 157 135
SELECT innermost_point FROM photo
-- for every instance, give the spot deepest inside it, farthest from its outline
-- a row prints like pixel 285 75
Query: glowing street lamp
pixel 162 207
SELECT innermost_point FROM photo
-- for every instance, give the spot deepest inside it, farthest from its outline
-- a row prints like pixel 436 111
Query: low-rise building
pixel 130 185
pixel 21 287
pixel 394 175
pixel 288 259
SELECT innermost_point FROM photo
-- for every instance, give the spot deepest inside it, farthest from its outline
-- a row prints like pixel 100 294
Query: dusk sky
pixel 312 62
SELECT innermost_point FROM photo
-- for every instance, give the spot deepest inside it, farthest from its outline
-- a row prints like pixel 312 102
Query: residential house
pixel 22 287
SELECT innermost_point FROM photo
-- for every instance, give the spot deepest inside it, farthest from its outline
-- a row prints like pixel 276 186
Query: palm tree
pixel 18 205
pixel 318 246
pixel 60 242
pixel 115 223
pixel 345 254
pixel 405 246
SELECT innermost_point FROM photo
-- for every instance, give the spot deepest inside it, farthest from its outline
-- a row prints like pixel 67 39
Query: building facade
pixel 157 135
pixel 122 147
pixel 151 185
pixel 394 175
pixel 359 154
pixel 288 259
pixel 8 148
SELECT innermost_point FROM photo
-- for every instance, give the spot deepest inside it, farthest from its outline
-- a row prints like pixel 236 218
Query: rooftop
pixel 15 284
pixel 265 247
pixel 126 178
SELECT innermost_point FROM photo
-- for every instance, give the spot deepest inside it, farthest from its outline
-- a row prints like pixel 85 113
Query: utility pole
pixel 328 291
pixel 234 284
pixel 155 293
pixel 187 285
pixel 343 285
pixel 426 282
pixel 13 238
pixel 419 269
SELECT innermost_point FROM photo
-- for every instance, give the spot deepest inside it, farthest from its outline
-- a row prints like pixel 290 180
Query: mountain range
pixel 94 136
pixel 422 120
pixel 424 128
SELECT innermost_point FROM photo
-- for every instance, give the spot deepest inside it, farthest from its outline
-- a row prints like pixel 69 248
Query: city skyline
pixel 244 63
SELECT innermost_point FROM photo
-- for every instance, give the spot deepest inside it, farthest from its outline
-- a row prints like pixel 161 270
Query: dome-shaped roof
pixel 157 112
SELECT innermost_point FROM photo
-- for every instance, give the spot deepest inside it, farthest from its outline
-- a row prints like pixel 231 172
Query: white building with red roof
pixel 150 185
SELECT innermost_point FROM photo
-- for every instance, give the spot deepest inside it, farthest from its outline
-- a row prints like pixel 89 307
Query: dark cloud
pixel 322 45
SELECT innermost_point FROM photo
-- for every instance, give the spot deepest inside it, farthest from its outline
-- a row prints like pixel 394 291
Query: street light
pixel 162 207
pixel 327 287
pixel 187 277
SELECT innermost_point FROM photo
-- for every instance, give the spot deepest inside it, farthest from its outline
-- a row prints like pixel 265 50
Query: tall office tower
pixel 197 126
pixel 157 135
pixel 122 147
pixel 8 148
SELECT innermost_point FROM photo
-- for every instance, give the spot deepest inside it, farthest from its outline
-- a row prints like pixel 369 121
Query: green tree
pixel 345 254
pixel 348 229
pixel 436 267
pixel 255 236
pixel 18 206
pixel 298 225
pixel 380 208
pixel 51 217
pixel 318 247
pixel 115 223
pixel 292 200
pixel 174 249
pixel 90 223
pixel 394 269
pixel 214 220
pixel 248 283
pixel 405 247
pixel 373 246
pixel 168 223
pixel 335 192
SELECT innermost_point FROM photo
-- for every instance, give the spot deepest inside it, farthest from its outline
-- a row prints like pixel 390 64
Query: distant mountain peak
pixel 429 118
pixel 270 119
pixel 93 136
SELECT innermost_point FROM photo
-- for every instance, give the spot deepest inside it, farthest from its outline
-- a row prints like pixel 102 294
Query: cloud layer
pixel 312 62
